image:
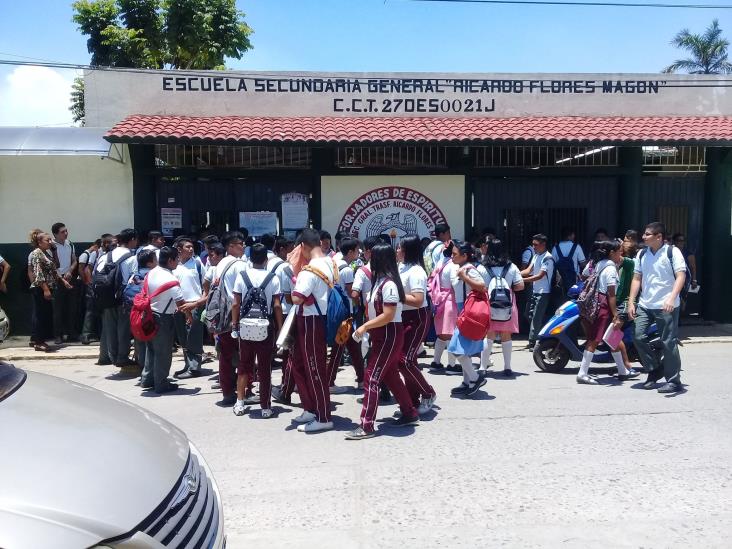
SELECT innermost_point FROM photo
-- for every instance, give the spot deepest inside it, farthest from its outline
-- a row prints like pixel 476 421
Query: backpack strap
pixel 247 280
pixel 504 272
pixel 559 252
pixel 226 270
pixel 320 274
pixel 572 251
pixel 276 266
pixel 164 288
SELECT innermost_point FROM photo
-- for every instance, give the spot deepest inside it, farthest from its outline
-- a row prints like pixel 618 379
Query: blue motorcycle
pixel 557 343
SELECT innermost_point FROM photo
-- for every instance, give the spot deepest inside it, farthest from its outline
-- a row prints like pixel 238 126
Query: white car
pixel 82 468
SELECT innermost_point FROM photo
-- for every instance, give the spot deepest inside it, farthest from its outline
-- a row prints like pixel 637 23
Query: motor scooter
pixel 557 342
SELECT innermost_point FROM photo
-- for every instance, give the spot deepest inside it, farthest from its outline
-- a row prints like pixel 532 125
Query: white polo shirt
pixel 658 275
pixel 165 303
pixel 390 296
pixel 238 264
pixel 127 267
pixel 308 284
pixel 566 246
pixel 362 282
pixel 608 275
pixel 190 279
pixel 65 253
pixel 542 262
pixel 345 276
pixel 478 274
pixel 414 280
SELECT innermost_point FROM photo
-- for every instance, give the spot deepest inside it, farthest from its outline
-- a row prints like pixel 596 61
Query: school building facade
pixel 398 153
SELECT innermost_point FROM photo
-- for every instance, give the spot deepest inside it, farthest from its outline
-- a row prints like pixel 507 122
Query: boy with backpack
pixel 255 314
pixel 112 272
pixel 165 298
pixel 569 259
pixel 146 260
pixel 309 361
pixel 540 273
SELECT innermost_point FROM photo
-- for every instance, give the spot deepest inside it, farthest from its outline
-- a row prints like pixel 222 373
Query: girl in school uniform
pixel 466 276
pixel 606 255
pixel 498 265
pixel 416 321
pixel 445 309
pixel 386 336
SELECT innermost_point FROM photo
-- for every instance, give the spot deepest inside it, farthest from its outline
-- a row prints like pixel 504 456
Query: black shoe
pixel 384 395
pixel 508 372
pixel 58 341
pixel 477 385
pixel 423 354
pixel 126 362
pixel 404 421
pixel 650 382
pixel 103 362
pixel 436 366
pixel 85 340
pixel 632 374
pixel 670 387
pixel 167 388
pixel 227 401
pixel 187 374
pixel 454 368
pixel 460 389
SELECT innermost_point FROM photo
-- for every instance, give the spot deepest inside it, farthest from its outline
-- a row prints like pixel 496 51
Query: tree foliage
pixel 708 52
pixel 159 34
pixel 77 100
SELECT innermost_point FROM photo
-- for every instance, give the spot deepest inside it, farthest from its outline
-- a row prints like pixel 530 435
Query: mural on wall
pixel 394 211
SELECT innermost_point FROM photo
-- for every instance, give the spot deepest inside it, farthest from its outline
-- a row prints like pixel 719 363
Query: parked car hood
pixel 80 460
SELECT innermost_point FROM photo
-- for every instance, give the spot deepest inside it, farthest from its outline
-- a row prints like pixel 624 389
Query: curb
pixel 45 356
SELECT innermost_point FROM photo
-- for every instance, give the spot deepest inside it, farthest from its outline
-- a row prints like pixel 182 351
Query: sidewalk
pixel 16 347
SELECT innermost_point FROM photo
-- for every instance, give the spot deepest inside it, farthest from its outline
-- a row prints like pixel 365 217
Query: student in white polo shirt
pixel 65 301
pixel 569 259
pixel 540 273
pixel 660 272
pixel 189 273
pixel 159 350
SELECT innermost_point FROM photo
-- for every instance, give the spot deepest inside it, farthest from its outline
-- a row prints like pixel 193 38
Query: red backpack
pixel 474 321
pixel 142 323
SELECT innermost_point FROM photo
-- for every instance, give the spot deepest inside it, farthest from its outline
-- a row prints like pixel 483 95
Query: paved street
pixel 535 461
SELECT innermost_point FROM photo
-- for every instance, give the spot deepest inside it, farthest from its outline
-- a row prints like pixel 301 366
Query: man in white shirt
pixel 155 241
pixel 116 320
pixel 569 259
pixel 433 254
pixel 87 262
pixel 227 272
pixel 660 272
pixel 309 362
pixel 540 273
pixel 189 273
pixel 159 350
pixel 65 301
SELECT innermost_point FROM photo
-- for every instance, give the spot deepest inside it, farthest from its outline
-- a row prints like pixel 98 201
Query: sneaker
pixel 454 368
pixel 632 374
pixel 239 409
pixel 279 396
pixel 650 382
pixel 477 385
pixel 253 399
pixel 315 427
pixel 188 374
pixel 670 387
pixel 406 421
pixel 586 380
pixel 336 390
pixel 508 372
pixel 305 417
pixel 267 413
pixel 384 395
pixel 227 401
pixel 460 389
pixel 167 388
pixel 426 404
pixel 397 414
pixel 359 434
pixel 436 366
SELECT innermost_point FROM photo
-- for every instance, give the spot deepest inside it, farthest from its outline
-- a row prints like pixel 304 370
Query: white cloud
pixel 36 96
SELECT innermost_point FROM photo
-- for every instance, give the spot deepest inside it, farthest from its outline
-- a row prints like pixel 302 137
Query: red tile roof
pixel 334 130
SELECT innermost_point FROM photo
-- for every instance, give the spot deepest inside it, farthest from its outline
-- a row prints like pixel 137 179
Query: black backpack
pixel 254 313
pixel 107 284
pixel 565 267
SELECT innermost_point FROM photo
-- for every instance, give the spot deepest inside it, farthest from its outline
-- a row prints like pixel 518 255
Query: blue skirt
pixel 461 345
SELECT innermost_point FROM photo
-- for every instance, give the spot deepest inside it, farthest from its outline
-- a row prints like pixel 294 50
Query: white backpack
pixel 500 296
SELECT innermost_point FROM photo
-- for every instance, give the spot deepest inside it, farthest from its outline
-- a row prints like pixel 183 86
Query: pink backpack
pixel 438 295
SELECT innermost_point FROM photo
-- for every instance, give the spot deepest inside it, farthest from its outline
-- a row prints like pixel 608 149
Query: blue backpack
pixel 565 267
pixel 338 320
pixel 133 288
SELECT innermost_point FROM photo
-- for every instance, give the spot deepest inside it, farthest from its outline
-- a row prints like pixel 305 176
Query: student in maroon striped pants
pixel 386 337
pixel 309 360
pixel 416 320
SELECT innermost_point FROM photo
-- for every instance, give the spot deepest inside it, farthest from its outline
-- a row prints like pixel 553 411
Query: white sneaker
pixel 336 390
pixel 239 409
pixel 426 404
pixel 315 427
pixel 267 413
pixel 305 417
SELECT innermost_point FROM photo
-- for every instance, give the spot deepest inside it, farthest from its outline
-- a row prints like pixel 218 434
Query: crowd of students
pixel 246 295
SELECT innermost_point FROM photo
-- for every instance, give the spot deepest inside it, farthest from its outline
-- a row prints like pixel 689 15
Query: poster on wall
pixel 295 214
pixel 170 219
pixel 396 206
pixel 259 223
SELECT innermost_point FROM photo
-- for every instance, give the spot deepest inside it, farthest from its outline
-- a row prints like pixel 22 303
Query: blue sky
pixel 369 35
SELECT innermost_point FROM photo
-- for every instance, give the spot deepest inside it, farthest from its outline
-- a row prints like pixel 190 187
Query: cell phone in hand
pixel 357 337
